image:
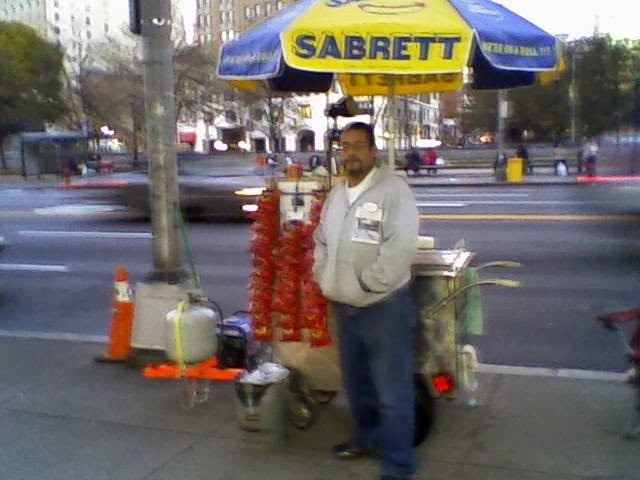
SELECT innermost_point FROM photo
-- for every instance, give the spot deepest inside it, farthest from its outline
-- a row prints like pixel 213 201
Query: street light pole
pixel 159 96
pixel 572 97
pixel 502 114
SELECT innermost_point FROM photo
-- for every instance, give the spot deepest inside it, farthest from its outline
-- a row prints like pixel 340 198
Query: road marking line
pixel 31 213
pixel 531 217
pixel 479 195
pixel 72 337
pixel 26 267
pixel 77 209
pixel 536 202
pixel 16 213
pixel 440 204
pixel 83 234
pixel 552 372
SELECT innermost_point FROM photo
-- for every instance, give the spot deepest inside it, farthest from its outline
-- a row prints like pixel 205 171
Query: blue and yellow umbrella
pixel 381 47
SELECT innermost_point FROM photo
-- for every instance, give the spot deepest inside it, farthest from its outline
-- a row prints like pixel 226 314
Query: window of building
pixel 230 116
pixel 224 35
pixel 56 3
pixel 258 10
pixel 305 111
pixel 56 30
pixel 280 4
pixel 56 17
pixel 106 28
pixel 208 20
pixel 87 21
pixel 89 34
pixel 267 8
pixel 209 37
pixel 248 13
pixel 257 114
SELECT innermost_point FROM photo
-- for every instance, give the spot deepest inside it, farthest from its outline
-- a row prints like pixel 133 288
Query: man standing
pixel 365 245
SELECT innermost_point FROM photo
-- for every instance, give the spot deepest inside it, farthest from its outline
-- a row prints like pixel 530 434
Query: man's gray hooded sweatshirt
pixel 360 273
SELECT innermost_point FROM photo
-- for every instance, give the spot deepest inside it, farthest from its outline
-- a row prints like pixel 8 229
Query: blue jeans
pixel 375 345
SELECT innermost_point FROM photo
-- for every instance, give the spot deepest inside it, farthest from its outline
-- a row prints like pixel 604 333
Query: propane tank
pixel 191 335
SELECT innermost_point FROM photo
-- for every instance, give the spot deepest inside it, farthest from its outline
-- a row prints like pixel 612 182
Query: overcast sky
pixel 577 18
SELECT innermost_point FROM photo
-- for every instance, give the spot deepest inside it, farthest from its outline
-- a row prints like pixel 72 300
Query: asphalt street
pixel 576 243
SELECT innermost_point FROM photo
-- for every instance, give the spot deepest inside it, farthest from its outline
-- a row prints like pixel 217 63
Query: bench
pixel 428 169
pixel 532 165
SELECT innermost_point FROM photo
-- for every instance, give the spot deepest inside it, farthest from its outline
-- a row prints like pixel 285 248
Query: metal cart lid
pixel 448 263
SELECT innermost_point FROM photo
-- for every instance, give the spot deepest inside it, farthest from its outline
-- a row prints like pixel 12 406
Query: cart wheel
pixel 424 410
pixel 300 412
pixel 323 397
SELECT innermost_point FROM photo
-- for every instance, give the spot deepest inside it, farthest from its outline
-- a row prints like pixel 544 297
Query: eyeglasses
pixel 355 146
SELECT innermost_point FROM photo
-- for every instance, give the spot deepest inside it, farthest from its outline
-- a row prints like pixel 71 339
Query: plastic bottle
pixel 469 380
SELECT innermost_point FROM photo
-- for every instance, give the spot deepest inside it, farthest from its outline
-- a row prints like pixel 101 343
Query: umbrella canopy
pixel 380 47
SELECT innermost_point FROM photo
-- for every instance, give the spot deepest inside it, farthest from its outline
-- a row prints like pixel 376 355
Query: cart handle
pixel 500 263
pixel 502 282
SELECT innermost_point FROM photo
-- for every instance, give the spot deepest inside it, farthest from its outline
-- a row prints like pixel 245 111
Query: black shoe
pixel 348 451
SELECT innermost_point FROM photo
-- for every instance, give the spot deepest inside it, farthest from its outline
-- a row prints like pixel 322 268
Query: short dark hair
pixel 364 127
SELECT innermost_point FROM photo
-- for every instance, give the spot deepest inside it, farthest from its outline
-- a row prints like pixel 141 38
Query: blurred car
pixel 207 196
pixel 3 242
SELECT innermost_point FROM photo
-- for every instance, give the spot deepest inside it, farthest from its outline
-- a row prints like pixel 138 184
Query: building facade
pixel 302 123
pixel 76 25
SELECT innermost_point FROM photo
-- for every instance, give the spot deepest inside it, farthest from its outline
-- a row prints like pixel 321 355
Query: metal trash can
pixel 514 170
pixel 261 401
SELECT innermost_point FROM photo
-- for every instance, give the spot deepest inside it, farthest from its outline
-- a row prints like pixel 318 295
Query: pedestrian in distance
pixel 431 159
pixel 413 161
pixel 365 244
pixel 523 154
pixel 590 156
pixel 272 163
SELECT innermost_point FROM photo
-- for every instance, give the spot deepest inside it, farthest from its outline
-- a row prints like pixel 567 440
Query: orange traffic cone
pixel 121 319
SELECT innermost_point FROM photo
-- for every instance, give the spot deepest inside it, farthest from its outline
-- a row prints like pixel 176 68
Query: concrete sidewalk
pixel 64 417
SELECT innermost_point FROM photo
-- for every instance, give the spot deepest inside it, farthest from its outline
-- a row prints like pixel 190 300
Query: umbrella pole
pixel 391 123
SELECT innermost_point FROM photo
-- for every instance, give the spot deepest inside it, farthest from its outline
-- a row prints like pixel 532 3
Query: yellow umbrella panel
pixel 412 47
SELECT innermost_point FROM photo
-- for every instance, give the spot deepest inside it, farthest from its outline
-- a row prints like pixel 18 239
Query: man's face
pixel 357 156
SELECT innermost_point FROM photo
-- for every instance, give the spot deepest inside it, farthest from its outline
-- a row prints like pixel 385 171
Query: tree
pixel 30 81
pixel 119 79
pixel 605 72
pixel 541 109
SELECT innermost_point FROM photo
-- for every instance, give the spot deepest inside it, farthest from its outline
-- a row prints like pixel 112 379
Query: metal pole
pixel 134 129
pixel 573 98
pixel 636 125
pixel 160 115
pixel 501 123
pixel 391 123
